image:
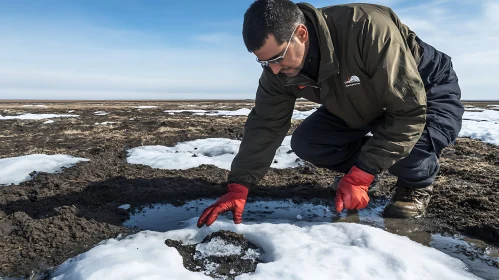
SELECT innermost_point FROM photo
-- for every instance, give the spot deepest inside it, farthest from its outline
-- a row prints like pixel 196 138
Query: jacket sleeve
pixel 264 131
pixel 398 85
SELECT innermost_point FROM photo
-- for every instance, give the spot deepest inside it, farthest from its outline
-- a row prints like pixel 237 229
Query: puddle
pixel 481 258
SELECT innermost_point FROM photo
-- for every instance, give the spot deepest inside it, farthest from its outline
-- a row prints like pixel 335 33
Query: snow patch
pixel 15 170
pixel 42 106
pixel 239 112
pixel 297 115
pixel 217 151
pixel 37 116
pixel 100 113
pixel 146 107
pixel 483 125
pixel 124 206
pixel 314 251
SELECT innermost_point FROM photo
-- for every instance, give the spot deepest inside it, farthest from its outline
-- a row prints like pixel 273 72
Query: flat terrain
pixel 46 220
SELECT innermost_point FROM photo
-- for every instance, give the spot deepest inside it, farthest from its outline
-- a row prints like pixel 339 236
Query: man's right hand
pixel 234 200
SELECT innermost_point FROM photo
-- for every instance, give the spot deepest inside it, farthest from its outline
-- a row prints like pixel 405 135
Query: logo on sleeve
pixel 352 81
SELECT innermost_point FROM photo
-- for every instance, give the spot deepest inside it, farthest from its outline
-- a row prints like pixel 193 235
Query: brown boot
pixel 408 202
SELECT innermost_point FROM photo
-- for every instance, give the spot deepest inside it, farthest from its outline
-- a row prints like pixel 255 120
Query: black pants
pixel 326 140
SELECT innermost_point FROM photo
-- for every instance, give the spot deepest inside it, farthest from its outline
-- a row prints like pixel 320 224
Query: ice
pixel 15 170
pixel 216 247
pixel 217 151
pixel 37 116
pixel 309 251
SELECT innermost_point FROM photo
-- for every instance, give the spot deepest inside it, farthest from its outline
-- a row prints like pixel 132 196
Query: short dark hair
pixel 265 17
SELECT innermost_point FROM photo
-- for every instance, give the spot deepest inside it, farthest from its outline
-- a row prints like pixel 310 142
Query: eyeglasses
pixel 280 58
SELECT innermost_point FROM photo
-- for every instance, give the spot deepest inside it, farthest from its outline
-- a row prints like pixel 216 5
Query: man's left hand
pixel 352 190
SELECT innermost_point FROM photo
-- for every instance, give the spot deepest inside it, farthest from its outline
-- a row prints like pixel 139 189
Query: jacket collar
pixel 329 64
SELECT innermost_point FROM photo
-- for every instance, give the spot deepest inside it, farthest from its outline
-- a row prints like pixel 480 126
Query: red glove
pixel 352 190
pixel 234 200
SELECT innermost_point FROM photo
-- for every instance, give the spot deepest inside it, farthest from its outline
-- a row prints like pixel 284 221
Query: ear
pixel 302 33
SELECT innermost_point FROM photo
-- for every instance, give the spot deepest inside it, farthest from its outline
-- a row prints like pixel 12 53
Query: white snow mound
pixel 321 251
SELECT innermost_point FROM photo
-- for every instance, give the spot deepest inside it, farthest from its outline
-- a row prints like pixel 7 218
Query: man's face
pixel 294 58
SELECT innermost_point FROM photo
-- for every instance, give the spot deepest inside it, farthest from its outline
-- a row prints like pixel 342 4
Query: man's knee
pixel 299 143
pixel 420 167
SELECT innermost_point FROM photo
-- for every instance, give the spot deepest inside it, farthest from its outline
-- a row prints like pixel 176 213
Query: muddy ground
pixel 57 216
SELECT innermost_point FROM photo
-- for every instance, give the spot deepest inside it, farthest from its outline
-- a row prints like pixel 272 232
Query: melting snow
pixel 217 151
pixel 308 251
pixel 217 247
pixel 14 170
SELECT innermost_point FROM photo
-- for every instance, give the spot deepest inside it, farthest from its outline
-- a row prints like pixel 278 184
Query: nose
pixel 275 68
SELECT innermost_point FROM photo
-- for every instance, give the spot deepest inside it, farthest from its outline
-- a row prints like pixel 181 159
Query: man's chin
pixel 292 73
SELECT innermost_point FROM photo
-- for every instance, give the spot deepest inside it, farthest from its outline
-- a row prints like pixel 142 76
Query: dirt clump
pixel 221 255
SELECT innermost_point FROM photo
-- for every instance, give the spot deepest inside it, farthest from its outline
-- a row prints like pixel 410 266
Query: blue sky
pixel 124 49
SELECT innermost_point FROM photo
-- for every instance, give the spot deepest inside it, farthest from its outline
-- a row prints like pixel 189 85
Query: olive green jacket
pixel 368 69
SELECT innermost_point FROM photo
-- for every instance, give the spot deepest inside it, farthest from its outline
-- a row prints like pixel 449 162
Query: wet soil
pixel 53 217
pixel 208 256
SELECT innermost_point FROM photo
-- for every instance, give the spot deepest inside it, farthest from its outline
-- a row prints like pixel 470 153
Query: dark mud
pixel 210 258
pixel 57 216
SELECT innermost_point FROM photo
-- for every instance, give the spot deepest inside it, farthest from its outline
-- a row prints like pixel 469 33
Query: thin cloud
pixel 45 60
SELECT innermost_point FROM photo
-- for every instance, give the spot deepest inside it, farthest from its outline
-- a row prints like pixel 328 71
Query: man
pixel 371 73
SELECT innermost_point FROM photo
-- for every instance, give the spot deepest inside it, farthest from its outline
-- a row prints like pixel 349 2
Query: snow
pixel 239 112
pixel 100 113
pixel 124 206
pixel 217 247
pixel 217 151
pixel 297 115
pixel 299 251
pixel 49 121
pixel 103 123
pixel 478 123
pixel 301 115
pixel 15 170
pixel 37 116
pixel 484 115
pixel 146 107
pixel 483 125
pixel 42 106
